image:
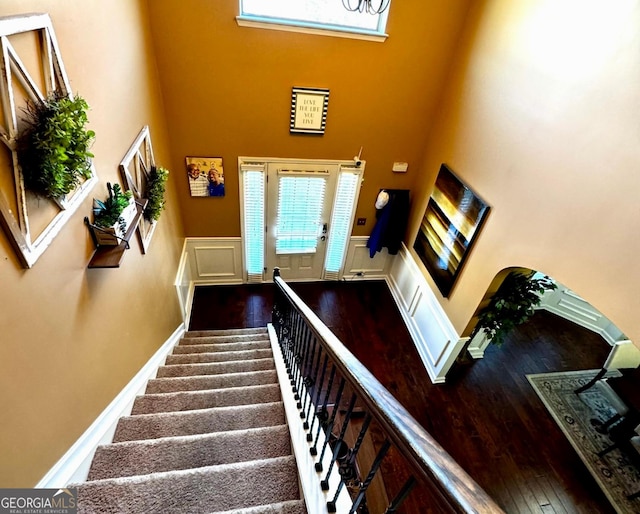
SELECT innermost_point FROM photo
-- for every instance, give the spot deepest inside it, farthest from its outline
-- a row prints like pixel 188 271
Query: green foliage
pixel 511 305
pixel 107 213
pixel 155 193
pixel 53 150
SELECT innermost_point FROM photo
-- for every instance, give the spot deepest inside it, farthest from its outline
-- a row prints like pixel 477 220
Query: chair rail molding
pixel 436 340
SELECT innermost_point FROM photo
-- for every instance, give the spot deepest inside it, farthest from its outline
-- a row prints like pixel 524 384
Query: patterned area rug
pixel 614 473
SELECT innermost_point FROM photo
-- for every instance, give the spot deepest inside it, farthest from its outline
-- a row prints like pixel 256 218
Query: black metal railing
pixel 336 394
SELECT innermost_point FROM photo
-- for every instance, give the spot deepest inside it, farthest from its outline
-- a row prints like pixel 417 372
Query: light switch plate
pixel 400 167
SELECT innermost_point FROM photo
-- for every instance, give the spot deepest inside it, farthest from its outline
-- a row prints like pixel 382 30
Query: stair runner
pixel 208 436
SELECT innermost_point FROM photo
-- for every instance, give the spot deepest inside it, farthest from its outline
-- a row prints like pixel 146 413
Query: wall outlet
pixel 362 221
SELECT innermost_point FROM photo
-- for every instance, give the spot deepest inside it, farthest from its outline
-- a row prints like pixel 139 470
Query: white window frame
pixel 322 29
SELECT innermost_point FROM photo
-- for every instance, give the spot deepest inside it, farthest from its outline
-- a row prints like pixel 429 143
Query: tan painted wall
pixel 228 93
pixel 71 338
pixel 541 118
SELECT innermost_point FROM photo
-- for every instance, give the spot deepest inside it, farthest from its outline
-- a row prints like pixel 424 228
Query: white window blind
pixel 254 224
pixel 341 219
pixel 299 221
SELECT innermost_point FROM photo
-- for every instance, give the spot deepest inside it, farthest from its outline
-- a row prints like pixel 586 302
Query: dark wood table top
pixel 627 387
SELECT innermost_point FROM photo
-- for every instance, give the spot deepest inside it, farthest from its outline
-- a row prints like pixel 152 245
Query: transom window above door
pixel 331 17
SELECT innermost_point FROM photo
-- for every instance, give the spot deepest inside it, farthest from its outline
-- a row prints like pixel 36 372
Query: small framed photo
pixel 205 176
pixel 308 110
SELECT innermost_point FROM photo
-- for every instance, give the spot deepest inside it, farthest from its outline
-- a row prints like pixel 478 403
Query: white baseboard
pixel 74 465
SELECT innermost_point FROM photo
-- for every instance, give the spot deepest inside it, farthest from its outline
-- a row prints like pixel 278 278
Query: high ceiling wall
pixel 227 92
pixel 540 116
pixel 72 338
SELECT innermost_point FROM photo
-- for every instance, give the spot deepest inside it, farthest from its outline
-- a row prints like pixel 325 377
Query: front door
pixel 299 200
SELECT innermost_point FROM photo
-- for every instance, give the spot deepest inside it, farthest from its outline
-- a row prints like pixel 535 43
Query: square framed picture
pixel 205 176
pixel 309 110
pixel 451 223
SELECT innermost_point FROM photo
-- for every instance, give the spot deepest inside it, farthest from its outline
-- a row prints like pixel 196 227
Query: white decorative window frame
pixel 135 168
pixel 16 224
pixel 321 28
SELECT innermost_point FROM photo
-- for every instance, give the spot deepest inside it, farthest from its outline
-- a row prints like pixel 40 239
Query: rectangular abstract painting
pixel 451 223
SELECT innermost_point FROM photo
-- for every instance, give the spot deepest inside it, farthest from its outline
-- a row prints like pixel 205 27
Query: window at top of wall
pixel 328 17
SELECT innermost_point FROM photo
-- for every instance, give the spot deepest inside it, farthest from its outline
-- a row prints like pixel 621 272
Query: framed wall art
pixel 451 223
pixel 205 176
pixel 308 110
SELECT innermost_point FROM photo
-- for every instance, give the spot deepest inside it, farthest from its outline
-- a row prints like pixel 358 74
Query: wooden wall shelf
pixel 111 256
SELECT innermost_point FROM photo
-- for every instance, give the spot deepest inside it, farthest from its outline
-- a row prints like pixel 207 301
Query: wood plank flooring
pixel 486 415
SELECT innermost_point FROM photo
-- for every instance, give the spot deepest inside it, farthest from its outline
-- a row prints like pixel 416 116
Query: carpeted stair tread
pixel 194 451
pixel 221 347
pixel 195 358
pixel 290 507
pixel 168 424
pixel 222 339
pixel 194 383
pixel 228 331
pixel 199 490
pixel 214 368
pixel 192 400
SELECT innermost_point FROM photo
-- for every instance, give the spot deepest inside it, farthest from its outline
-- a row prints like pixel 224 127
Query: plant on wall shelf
pixel 108 213
pixel 155 193
pixel 53 149
pixel 511 305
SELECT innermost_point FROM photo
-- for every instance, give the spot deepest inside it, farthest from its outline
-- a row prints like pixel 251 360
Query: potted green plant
pixel 53 148
pixel 155 193
pixel 112 216
pixel 512 304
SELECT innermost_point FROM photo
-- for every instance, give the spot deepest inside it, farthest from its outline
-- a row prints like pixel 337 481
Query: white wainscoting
pixel 358 262
pixel 435 338
pixel 567 304
pixel 214 260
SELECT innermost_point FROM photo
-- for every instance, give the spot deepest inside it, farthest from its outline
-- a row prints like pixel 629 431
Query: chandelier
pixel 368 6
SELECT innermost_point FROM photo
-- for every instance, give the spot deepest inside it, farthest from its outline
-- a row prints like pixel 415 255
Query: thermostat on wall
pixel 400 167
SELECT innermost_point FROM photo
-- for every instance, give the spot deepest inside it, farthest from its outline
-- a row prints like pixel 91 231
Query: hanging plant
pixel 155 193
pixel 511 305
pixel 53 149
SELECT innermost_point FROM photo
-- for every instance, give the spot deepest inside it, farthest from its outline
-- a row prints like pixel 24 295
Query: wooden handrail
pixel 423 453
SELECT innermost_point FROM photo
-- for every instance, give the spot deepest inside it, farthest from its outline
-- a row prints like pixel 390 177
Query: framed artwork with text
pixel 308 110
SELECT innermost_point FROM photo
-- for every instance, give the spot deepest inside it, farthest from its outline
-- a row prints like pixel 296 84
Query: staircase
pixel 208 436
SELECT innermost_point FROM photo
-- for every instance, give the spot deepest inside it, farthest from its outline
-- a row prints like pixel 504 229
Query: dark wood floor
pixel 486 415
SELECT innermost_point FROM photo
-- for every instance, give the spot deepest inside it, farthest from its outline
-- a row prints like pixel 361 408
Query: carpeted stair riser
pixel 230 486
pixel 194 451
pixel 217 419
pixel 173 384
pixel 196 358
pixel 221 347
pixel 290 507
pixel 214 368
pixel 191 400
